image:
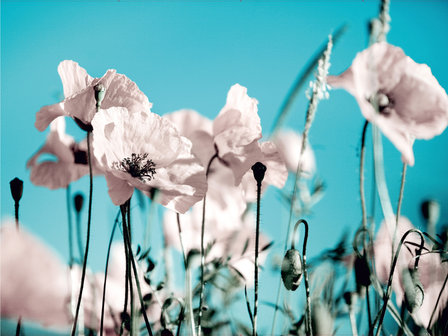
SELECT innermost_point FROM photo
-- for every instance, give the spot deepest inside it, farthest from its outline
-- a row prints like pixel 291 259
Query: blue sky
pixel 187 55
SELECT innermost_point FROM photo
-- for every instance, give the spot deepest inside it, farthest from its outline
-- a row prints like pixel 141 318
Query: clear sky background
pixel 187 55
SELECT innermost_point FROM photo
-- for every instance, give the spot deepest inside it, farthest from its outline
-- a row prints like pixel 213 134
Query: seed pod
pixel 100 91
pixel 292 269
pixel 322 321
pixel 413 289
pixel 362 272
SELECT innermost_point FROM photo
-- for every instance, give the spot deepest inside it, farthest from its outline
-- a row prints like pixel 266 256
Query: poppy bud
pixel 166 332
pixel 292 269
pixel 259 169
pixel 79 201
pixel 413 289
pixel 321 319
pixel 100 91
pixel 362 272
pixel 16 186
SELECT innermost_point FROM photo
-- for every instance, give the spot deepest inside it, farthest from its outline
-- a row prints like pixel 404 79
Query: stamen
pixel 382 102
pixel 138 166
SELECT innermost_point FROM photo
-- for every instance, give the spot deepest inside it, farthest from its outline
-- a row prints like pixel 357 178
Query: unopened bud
pixel 362 272
pixel 166 332
pixel 259 170
pixel 79 201
pixel 16 186
pixel 100 91
pixel 292 269
pixel 413 289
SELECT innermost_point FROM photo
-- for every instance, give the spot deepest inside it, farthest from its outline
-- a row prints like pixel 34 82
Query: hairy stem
pixel 201 293
pixel 84 266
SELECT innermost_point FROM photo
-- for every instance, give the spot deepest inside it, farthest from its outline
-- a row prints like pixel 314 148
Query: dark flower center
pixel 383 102
pixel 138 166
pixel 79 155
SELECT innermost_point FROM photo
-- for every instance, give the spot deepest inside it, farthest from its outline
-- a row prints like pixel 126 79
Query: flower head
pixel 81 96
pixel 145 151
pixel 236 131
pixel 401 97
pixel 71 159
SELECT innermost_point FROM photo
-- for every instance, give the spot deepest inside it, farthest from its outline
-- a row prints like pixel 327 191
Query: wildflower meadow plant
pixel 205 180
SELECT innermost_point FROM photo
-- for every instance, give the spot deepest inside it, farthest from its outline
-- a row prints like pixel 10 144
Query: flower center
pixel 138 166
pixel 382 102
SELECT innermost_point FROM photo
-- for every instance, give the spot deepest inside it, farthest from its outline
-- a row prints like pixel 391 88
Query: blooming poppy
pixel 145 151
pixel 79 102
pixel 400 96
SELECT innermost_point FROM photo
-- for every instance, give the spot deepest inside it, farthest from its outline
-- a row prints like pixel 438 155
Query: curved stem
pixel 84 266
pixel 105 274
pixel 307 286
pixel 392 270
pixel 201 292
pixel 361 176
pixel 257 239
pixel 437 303
pixel 400 201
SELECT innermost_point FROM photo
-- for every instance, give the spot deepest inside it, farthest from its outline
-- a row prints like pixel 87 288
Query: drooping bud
pixel 100 91
pixel 322 321
pixel 16 186
pixel 79 201
pixel 292 269
pixel 413 289
pixel 259 170
pixel 362 271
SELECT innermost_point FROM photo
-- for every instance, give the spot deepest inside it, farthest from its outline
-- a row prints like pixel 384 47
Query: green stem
pixel 361 176
pixel 84 266
pixel 201 293
pixel 257 239
pixel 392 270
pixel 437 303
pixel 105 274
pixel 134 268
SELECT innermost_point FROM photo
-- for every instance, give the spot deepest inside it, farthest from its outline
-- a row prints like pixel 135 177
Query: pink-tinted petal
pixel 237 124
pixel 289 144
pixel 74 78
pixel 55 175
pixel 414 105
pixel 188 122
pixel 47 114
pixel 119 190
pixel 34 282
